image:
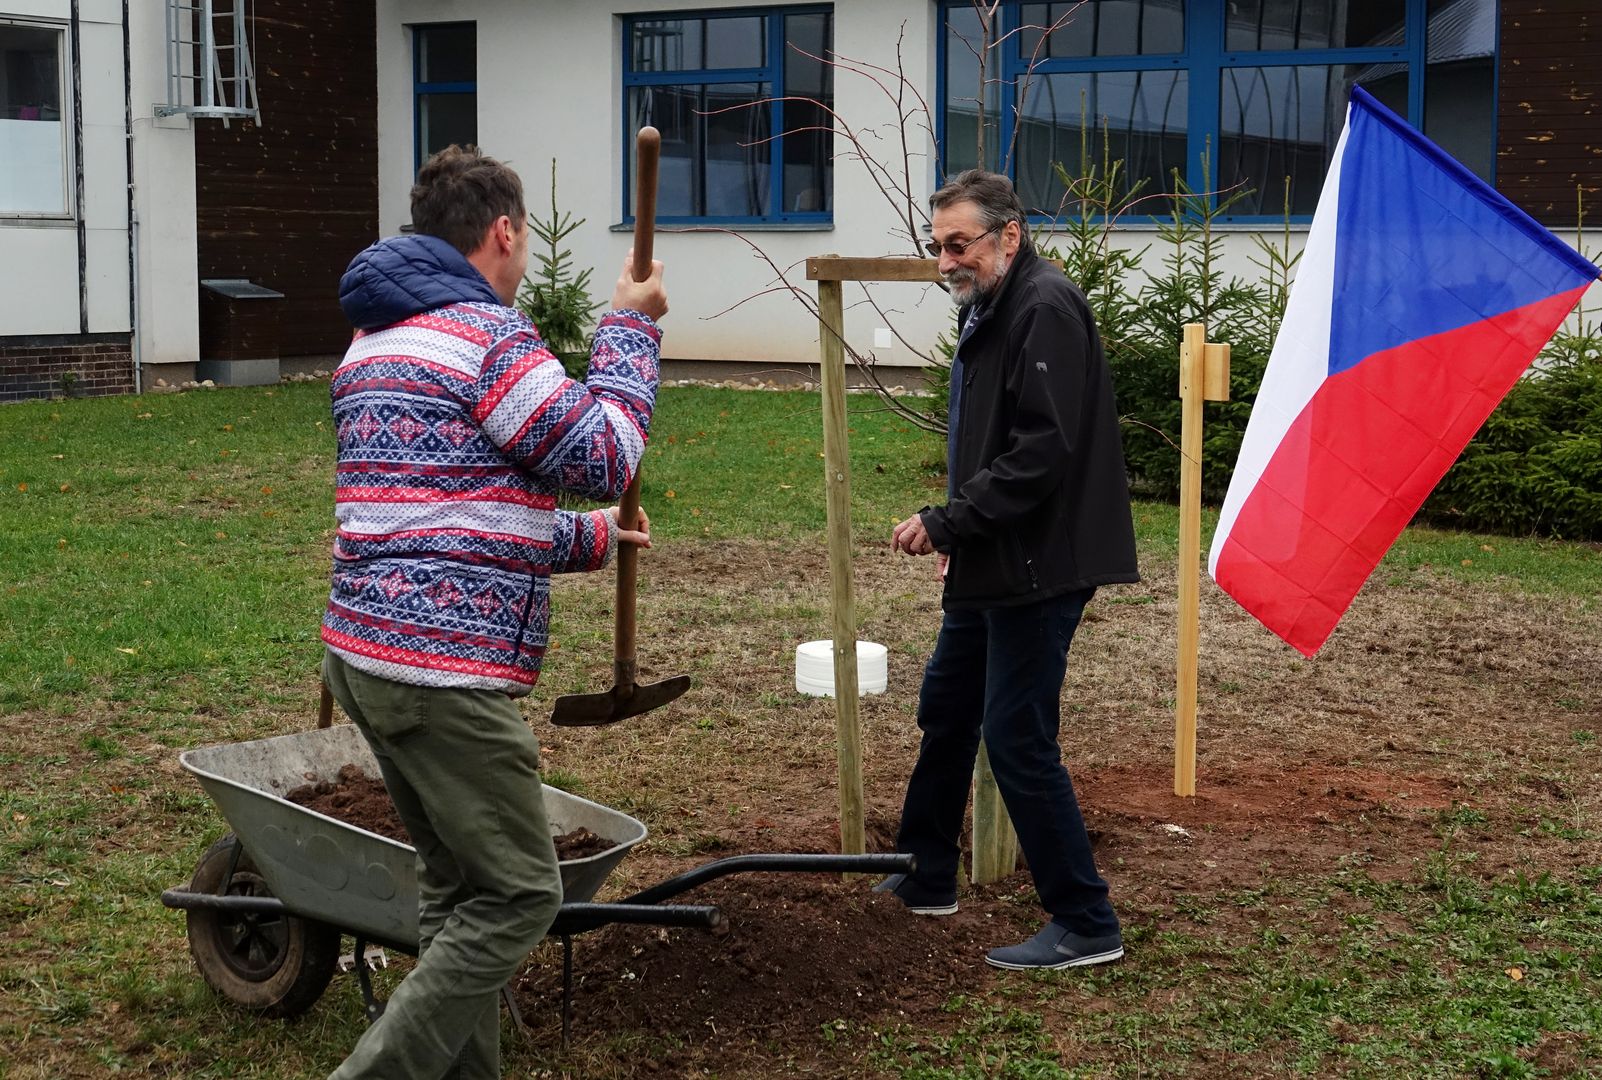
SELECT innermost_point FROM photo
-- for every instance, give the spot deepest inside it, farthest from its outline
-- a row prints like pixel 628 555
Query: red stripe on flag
pixel 1360 460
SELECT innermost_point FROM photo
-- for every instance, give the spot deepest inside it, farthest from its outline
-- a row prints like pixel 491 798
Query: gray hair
pixel 993 194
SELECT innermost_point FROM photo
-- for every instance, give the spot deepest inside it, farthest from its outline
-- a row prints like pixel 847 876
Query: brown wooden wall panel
pixel 1549 108
pixel 288 203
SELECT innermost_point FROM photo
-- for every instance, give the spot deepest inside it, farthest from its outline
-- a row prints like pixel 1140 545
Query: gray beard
pixel 967 290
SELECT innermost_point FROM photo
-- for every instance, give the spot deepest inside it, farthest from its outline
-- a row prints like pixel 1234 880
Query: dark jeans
pixel 1000 671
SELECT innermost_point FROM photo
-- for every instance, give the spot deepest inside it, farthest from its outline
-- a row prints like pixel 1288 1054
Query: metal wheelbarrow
pixel 267 904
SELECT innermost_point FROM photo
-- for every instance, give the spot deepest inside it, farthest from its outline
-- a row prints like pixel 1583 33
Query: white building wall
pixel 164 202
pixel 550 84
pixel 38 280
pixel 39 270
pixel 105 167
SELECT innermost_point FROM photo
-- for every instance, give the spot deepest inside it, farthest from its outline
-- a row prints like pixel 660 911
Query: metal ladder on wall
pixel 209 69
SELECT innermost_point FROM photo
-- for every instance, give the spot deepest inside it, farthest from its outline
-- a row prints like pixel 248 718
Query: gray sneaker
pixel 1056 947
pixel 919 900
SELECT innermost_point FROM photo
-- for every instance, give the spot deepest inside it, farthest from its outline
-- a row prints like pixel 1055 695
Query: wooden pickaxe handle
pixel 647 150
pixel 647 147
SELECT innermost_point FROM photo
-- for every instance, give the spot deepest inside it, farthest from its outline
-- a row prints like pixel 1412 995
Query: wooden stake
pixel 837 487
pixel 995 835
pixel 1203 375
pixel 1192 357
pixel 995 844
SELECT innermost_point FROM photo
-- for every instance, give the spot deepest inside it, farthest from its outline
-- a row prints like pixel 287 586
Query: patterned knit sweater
pixel 456 428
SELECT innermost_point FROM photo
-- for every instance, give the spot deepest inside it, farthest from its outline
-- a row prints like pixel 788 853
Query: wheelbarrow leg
pixel 567 987
pixel 372 1008
pixel 514 1012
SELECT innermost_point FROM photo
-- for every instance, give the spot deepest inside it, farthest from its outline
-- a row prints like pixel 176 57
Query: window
pixel 444 87
pixel 33 125
pixel 742 99
pixel 1260 86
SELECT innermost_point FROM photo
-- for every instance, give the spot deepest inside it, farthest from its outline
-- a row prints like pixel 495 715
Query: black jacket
pixel 1041 504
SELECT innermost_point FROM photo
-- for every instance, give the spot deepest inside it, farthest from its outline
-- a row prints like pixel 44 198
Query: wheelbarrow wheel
pixel 277 965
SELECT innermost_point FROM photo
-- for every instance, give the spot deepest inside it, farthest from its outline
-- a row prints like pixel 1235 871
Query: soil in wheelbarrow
pixel 361 800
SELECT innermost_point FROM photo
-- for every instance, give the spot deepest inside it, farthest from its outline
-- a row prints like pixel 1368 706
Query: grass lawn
pixel 1414 892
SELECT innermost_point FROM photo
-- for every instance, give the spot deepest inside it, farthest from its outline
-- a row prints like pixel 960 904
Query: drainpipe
pixel 133 218
pixel 75 57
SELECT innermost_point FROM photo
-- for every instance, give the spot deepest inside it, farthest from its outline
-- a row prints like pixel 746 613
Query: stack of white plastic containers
pixel 814 668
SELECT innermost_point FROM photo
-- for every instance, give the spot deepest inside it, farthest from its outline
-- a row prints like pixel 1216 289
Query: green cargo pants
pixel 463 769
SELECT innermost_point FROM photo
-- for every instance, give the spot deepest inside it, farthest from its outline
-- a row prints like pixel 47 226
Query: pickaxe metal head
pixel 626 698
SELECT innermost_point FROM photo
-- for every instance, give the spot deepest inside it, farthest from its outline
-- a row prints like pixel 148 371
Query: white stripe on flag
pixel 1299 362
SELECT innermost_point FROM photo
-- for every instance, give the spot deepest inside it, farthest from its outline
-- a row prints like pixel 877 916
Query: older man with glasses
pixel 1036 518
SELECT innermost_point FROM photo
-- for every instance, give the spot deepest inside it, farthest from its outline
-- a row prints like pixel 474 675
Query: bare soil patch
pixel 1436 707
pixel 1433 696
pixel 801 951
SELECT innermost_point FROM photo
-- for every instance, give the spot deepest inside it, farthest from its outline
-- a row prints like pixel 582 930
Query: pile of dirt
pixel 361 800
pixel 801 951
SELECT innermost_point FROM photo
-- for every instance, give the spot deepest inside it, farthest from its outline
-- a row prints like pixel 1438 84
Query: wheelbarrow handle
pixel 577 918
pixel 187 900
pixel 898 863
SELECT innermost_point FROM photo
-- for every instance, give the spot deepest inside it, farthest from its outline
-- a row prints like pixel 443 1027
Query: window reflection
pixel 715 147
pixel 965 53
pixel 1280 122
pixel 1460 80
pixel 445 90
pixel 1278 116
pixel 700 44
pixel 1262 25
pixel 747 128
pixel 1101 28
pixel 808 143
pixel 444 119
pixel 1142 112
pixel 447 53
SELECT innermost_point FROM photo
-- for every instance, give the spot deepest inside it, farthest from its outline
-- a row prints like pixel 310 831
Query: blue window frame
pixel 1258 86
pixel 444 88
pixel 743 99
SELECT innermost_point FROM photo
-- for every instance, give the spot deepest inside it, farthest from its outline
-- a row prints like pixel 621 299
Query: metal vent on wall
pixel 209 70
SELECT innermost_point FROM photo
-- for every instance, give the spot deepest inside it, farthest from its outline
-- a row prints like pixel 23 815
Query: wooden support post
pixel 837 487
pixel 995 844
pixel 1203 375
pixel 993 831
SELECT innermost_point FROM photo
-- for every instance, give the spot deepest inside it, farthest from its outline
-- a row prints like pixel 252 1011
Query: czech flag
pixel 1421 297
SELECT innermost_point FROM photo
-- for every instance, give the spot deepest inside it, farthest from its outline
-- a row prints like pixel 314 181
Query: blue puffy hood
pixel 400 276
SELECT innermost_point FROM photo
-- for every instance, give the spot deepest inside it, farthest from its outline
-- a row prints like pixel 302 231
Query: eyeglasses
pixel 958 248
